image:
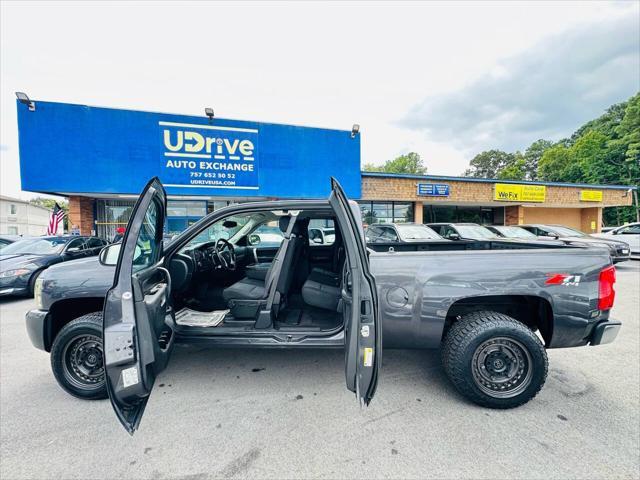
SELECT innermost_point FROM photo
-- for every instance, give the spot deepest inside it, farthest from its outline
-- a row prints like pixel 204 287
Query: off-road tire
pixel 80 339
pixel 471 336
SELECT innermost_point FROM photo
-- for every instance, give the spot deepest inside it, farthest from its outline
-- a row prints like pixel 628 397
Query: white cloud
pixel 544 92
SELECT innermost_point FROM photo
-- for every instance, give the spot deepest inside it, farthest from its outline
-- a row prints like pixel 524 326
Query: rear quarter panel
pixel 417 289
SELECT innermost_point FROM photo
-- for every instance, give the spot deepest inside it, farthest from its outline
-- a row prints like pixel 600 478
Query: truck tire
pixel 494 360
pixel 77 359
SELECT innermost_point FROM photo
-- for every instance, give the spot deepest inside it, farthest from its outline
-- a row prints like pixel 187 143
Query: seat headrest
pixel 299 228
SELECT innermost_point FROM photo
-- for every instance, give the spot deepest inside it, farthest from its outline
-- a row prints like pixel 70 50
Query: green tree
pixel 409 163
pixel 532 156
pixel 554 163
pixel 488 164
pixel 516 170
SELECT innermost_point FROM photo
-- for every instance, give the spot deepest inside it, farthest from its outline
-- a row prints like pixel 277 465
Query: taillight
pixel 606 293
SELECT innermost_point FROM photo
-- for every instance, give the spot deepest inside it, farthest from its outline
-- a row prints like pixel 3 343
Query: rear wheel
pixel 494 360
pixel 77 358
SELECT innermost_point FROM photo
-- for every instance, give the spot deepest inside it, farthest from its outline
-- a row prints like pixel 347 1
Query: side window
pixel 94 243
pixel 321 232
pixel 148 241
pixel 389 234
pixel 268 235
pixel 76 245
pixel 373 234
pixel 630 230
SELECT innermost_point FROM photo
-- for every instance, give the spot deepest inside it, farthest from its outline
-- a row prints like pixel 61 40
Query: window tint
pixel 389 234
pixel 78 243
pixel 148 241
pixel 94 243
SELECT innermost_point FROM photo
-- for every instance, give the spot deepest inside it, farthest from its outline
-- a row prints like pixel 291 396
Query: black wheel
pixel 494 360
pixel 77 360
pixel 32 282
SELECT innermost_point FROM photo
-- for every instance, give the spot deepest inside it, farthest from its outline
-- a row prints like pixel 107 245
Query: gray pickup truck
pixel 492 308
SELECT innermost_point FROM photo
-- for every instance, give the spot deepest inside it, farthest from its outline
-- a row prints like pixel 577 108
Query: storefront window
pixel 402 212
pixel 463 214
pixel 386 212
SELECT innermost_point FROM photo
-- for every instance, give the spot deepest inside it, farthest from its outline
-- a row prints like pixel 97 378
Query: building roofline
pixel 23 202
pixel 494 180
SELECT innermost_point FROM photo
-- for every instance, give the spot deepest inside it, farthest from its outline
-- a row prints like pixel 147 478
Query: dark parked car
pixel 400 232
pixel 511 231
pixel 111 329
pixel 22 262
pixel 463 231
pixel 618 250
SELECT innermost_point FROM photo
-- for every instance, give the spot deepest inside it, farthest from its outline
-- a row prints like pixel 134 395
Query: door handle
pixel 167 277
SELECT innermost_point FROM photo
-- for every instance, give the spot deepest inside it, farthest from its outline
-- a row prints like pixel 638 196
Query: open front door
pixel 137 317
pixel 363 342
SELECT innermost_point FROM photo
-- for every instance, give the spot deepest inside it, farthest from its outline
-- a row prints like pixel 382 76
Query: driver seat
pixel 245 297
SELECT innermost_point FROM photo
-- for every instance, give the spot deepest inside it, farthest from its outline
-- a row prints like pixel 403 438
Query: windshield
pixel 417 232
pixel 567 232
pixel 36 246
pixel 514 232
pixel 475 232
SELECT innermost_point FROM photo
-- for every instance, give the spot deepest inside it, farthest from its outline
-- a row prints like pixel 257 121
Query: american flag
pixel 55 219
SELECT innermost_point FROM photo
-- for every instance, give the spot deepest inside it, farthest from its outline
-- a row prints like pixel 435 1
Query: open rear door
pixel 363 340
pixel 137 317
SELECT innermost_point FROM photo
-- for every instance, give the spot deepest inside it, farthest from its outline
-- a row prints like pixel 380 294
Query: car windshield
pixel 514 232
pixel 417 232
pixel 36 246
pixel 567 232
pixel 475 232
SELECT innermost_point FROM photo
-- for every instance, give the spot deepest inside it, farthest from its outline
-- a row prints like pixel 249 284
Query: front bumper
pixel 36 324
pixel 605 332
pixel 13 291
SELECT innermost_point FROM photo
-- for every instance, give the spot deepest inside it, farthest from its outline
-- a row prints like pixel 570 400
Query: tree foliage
pixel 408 163
pixel 604 151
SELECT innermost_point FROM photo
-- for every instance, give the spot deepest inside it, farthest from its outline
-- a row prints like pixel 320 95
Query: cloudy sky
pixel 444 80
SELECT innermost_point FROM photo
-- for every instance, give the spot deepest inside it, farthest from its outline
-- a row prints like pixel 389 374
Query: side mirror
pixel 73 250
pixel 453 236
pixel 254 239
pixel 108 256
pixel 317 240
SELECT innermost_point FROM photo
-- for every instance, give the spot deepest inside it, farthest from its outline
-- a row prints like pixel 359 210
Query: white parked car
pixel 629 233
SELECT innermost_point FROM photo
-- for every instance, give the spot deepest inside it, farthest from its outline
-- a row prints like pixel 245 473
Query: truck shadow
pixel 324 368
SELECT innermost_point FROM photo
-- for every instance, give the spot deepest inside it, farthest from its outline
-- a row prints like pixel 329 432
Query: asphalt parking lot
pixel 287 414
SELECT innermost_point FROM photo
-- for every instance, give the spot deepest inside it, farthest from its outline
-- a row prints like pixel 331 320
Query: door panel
pixel 266 254
pixel 363 339
pixel 137 316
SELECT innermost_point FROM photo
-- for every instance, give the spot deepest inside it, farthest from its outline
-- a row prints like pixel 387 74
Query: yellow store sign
pixel 507 192
pixel 590 195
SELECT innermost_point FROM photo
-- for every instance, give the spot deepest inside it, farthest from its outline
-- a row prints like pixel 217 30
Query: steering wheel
pixel 226 254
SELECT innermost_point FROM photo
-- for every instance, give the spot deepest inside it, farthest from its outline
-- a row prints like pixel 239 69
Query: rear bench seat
pixel 322 287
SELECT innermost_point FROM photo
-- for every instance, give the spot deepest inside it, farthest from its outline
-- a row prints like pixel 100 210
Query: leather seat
pixel 248 292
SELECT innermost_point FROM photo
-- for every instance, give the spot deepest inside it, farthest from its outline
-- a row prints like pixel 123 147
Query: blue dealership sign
pixel 209 156
pixel 69 149
pixel 433 189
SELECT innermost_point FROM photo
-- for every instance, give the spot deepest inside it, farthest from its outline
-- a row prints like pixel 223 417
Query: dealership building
pixel 100 158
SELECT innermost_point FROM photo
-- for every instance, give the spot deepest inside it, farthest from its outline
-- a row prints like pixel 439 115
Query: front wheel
pixel 494 360
pixel 77 359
